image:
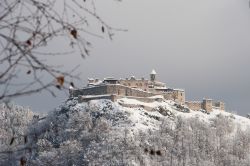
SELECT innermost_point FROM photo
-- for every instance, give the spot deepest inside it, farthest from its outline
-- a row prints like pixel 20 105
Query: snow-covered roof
pixel 177 89
pixel 109 78
pixel 160 88
pixel 159 84
pixel 95 83
pixel 153 71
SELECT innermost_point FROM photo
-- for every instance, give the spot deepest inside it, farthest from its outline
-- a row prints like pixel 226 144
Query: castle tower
pixel 208 104
pixel 153 75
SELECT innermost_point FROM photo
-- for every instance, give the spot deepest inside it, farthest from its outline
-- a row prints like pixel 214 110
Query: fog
pixel 201 46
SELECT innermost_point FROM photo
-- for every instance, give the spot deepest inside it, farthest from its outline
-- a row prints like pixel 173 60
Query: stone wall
pixel 86 99
pixel 194 105
pixel 110 89
pixel 96 90
pixel 120 90
pixel 222 106
pixel 134 83
pixel 168 95
pixel 179 96
pixel 126 91
pixel 144 99
pixel 208 104
pixel 176 95
pixel 219 105
pixel 115 91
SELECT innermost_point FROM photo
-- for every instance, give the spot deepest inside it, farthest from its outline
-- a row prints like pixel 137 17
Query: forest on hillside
pixel 103 133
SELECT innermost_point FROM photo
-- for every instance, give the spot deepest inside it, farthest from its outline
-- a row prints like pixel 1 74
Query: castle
pixel 140 89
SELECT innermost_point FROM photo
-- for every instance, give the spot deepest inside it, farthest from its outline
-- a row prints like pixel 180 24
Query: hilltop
pixel 125 132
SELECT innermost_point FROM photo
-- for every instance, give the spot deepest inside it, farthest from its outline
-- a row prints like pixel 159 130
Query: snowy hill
pixel 13 123
pixel 131 132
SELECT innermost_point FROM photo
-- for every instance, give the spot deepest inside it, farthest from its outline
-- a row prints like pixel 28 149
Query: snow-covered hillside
pixel 138 112
pixel 131 132
pixel 13 123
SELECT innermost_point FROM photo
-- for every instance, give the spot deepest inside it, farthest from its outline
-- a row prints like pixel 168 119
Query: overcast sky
pixel 202 46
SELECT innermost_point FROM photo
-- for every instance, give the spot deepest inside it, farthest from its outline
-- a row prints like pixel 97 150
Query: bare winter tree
pixel 29 27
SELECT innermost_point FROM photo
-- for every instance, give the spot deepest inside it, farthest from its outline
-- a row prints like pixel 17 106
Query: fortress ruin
pixel 140 89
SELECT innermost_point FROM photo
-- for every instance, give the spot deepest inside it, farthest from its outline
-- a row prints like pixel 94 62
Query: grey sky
pixel 202 46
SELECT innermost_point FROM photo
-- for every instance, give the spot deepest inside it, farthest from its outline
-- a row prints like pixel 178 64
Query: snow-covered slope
pixel 138 112
pixel 131 132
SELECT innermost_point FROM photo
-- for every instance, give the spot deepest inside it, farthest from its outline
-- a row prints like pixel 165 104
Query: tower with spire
pixel 152 75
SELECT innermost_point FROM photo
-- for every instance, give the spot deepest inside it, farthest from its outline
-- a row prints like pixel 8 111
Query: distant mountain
pixel 132 132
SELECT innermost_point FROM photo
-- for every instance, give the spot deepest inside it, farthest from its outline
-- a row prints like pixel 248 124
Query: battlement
pixel 206 104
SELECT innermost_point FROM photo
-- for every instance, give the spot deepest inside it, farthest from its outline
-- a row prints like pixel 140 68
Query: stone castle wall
pixel 126 91
pixel 121 90
pixel 97 90
pixel 111 89
pixel 134 83
pixel 219 105
pixel 206 104
pixel 168 96
pixel 88 98
pixel 178 96
pixel 115 91
pixel 194 105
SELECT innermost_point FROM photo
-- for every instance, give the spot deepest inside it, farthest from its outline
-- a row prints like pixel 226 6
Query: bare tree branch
pixel 27 27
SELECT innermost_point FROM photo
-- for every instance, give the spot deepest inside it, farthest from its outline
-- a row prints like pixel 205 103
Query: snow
pixel 71 88
pixel 140 120
pixel 138 109
pixel 157 97
pixel 241 121
pixel 178 89
pixel 135 102
pixel 102 130
pixel 153 71
pixel 95 96
pixel 109 78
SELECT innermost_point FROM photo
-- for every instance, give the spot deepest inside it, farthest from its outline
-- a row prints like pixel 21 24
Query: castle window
pixel 128 84
pixel 140 84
